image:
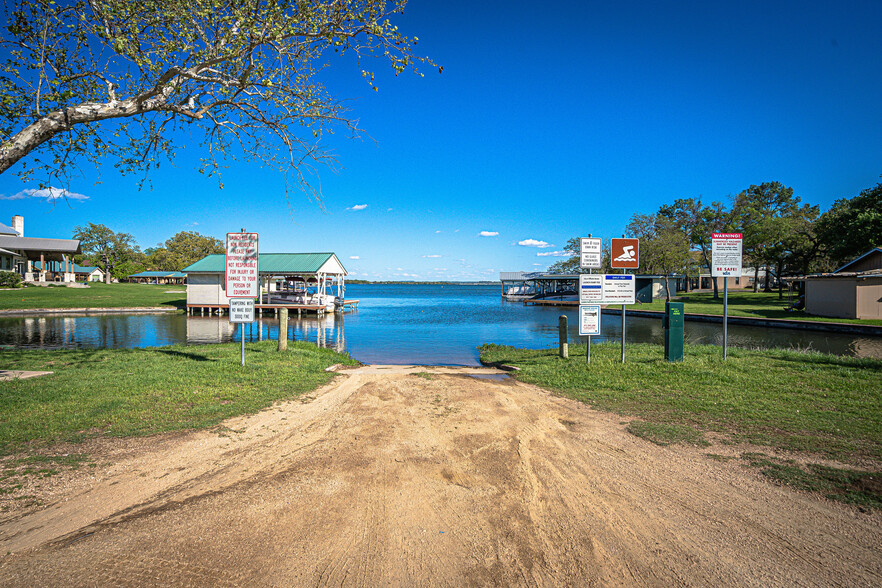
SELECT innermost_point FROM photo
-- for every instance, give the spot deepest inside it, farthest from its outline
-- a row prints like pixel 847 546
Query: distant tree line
pixel 119 256
pixel 781 234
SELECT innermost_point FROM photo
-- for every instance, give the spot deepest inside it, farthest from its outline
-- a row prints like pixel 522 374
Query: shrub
pixel 10 280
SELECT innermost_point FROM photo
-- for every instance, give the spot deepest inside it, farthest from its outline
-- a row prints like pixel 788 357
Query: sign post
pixel 725 262
pixel 589 324
pixel 590 258
pixel 242 279
pixel 624 254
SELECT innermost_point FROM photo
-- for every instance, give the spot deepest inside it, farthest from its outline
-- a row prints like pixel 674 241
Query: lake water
pixel 404 324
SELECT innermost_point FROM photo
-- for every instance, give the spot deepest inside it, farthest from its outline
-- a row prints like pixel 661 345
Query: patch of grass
pixel 126 392
pixel 97 295
pixel 813 403
pixel 718 457
pixel 424 375
pixel 747 304
pixel 861 488
pixel 666 434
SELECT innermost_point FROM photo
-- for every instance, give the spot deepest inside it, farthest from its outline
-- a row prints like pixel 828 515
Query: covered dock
pixel 299 282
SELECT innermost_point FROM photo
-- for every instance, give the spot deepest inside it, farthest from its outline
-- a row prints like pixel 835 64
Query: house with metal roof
pixel 81 273
pixel 301 281
pixel 853 291
pixel 36 259
pixel 158 277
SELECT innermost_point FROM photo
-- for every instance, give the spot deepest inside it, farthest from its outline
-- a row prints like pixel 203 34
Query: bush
pixel 10 280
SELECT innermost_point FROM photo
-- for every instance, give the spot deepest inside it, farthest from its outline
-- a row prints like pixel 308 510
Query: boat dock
pixel 551 302
pixel 261 309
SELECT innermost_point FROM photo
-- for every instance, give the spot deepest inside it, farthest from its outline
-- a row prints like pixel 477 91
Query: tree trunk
pixel 667 288
pixel 716 289
pixel 756 278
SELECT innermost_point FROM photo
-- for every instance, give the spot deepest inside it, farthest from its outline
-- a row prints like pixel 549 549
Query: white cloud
pixel 539 264
pixel 354 257
pixel 489 233
pixel 399 269
pixel 357 207
pixel 431 256
pixel 49 194
pixel 534 243
pixel 437 232
pixel 440 269
pixel 555 253
pixel 389 209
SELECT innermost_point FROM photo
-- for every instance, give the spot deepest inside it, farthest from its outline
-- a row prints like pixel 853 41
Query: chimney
pixel 18 225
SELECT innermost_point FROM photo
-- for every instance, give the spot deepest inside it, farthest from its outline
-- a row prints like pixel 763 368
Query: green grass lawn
pixel 818 405
pixel 97 295
pixel 123 392
pixel 747 304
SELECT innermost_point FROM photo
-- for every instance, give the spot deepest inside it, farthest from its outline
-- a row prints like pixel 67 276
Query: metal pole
pixel 624 271
pixel 725 315
pixel 242 337
pixel 588 348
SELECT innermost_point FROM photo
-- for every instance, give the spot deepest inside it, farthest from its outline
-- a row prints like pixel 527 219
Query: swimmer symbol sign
pixel 625 253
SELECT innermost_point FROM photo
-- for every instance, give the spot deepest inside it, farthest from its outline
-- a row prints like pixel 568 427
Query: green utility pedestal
pixel 673 324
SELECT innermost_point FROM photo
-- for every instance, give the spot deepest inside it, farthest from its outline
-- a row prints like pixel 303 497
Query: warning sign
pixel 625 253
pixel 591 252
pixel 242 265
pixel 726 254
pixel 241 310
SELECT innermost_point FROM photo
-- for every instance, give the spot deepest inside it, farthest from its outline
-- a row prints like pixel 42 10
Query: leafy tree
pixel 572 265
pixel 664 247
pixel 183 249
pixel 852 226
pixel 698 223
pixel 106 248
pixel 766 215
pixel 83 79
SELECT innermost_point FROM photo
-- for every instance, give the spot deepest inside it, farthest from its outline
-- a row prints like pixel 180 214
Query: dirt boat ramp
pixel 396 476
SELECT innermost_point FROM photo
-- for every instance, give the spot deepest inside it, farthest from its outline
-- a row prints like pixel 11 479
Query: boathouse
pixel 305 282
pixel 562 289
pixel 853 291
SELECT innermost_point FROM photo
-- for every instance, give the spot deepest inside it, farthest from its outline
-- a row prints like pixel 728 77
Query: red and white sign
pixel 725 254
pixel 625 253
pixel 242 265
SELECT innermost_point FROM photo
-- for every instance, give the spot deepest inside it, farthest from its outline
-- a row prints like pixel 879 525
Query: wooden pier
pixel 261 309
pixel 547 302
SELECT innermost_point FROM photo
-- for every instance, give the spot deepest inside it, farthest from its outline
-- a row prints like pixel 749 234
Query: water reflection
pixel 435 325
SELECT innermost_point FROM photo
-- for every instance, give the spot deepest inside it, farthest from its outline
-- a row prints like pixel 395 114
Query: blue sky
pixel 549 121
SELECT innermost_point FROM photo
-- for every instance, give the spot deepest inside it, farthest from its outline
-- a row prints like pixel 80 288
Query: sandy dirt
pixel 398 477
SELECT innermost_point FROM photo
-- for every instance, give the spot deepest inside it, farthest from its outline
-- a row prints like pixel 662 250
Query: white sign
pixel 726 254
pixel 590 288
pixel 241 310
pixel 591 250
pixel 619 289
pixel 589 319
pixel 242 268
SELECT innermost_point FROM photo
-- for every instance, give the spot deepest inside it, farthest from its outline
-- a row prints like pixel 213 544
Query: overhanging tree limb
pixel 244 72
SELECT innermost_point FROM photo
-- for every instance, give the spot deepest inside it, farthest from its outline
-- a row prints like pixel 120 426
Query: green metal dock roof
pixel 268 263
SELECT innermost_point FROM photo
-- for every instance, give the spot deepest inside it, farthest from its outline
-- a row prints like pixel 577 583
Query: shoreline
pixel 797 324
pixel 112 310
